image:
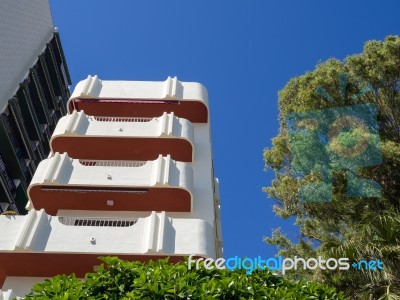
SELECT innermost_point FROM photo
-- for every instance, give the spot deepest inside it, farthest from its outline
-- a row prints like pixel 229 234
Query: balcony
pixel 149 99
pixel 40 245
pixel 64 183
pixel 11 150
pixel 123 138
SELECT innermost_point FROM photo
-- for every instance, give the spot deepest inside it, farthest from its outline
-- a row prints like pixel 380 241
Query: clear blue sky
pixel 244 52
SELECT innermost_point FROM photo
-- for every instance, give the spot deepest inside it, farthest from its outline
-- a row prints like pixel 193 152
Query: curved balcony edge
pixel 61 182
pixel 123 138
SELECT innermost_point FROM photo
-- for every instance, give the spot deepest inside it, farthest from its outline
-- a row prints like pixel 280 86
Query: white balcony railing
pixel 63 183
pixel 157 233
pixel 123 137
pixel 60 169
pixel 80 124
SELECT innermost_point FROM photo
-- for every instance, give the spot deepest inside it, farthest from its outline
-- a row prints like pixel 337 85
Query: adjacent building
pixel 130 173
pixel 34 82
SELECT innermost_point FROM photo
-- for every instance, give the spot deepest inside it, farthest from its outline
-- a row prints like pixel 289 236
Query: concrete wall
pixel 26 26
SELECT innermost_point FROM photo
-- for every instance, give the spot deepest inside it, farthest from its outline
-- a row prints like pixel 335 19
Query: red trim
pixel 52 264
pixel 122 148
pixel 194 111
pixel 55 197
pixel 131 101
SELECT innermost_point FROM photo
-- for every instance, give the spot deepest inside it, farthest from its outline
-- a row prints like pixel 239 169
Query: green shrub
pixel 118 279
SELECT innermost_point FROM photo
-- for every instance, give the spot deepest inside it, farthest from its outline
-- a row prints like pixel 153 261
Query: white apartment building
pixel 130 174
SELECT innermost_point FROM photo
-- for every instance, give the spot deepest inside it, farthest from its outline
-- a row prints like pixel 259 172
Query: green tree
pixel 354 227
pixel 118 279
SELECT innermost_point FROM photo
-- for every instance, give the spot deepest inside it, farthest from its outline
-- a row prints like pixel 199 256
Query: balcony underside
pixel 115 148
pixel 194 111
pixel 51 198
pixel 52 264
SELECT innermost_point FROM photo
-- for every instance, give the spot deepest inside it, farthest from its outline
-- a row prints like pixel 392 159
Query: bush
pixel 118 279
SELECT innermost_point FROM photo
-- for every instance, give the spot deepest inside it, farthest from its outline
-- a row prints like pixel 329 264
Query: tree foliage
pixel 119 279
pixel 354 227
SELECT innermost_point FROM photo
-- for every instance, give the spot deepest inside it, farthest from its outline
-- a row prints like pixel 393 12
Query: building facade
pixel 129 174
pixel 34 82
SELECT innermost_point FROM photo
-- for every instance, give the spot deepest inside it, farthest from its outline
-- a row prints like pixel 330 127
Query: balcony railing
pixel 64 183
pixel 7 178
pixel 157 232
pixel 10 137
pixel 120 119
pixel 98 222
pixel 72 244
pixel 112 163
pixel 98 97
pixel 125 138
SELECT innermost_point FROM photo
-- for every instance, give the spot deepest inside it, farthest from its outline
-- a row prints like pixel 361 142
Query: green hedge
pixel 118 279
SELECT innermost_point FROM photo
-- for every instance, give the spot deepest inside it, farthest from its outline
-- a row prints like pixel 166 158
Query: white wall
pixel 80 124
pixel 171 88
pixel 20 286
pixel 25 28
pixel 157 234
